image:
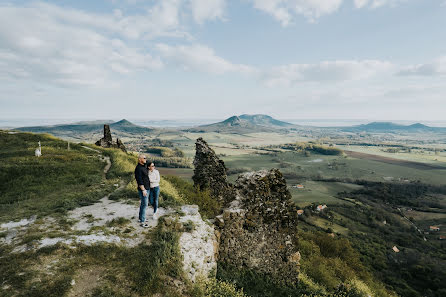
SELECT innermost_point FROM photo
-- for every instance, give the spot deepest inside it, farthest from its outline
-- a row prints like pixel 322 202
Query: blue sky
pixel 302 59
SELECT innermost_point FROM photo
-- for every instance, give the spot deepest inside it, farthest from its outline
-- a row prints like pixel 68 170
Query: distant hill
pixel 392 127
pixel 264 120
pixel 102 122
pixel 89 130
pixel 129 127
pixel 244 124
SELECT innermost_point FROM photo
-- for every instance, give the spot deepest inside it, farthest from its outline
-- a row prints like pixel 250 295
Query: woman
pixel 154 177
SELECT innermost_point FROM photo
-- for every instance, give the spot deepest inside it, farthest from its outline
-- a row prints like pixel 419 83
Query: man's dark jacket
pixel 142 176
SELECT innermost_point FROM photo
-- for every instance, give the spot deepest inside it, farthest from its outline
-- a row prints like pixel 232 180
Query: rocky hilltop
pixel 258 225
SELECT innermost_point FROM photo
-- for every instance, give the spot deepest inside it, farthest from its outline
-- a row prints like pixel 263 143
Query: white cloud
pixel 161 19
pixel 376 3
pixel 203 10
pixel 66 46
pixel 285 10
pixel 360 3
pixel 328 71
pixel 200 10
pixel 435 68
pixel 200 58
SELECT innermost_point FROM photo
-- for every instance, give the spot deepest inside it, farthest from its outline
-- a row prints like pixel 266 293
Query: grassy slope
pixel 59 180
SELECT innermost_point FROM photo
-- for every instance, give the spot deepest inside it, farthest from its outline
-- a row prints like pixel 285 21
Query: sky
pixel 180 59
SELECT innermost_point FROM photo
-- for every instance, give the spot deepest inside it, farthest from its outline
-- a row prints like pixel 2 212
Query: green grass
pixel 123 164
pixel 208 206
pixel 58 181
pixel 118 222
pixel 320 192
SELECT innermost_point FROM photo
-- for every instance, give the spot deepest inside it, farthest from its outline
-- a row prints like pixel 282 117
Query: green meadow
pixel 58 181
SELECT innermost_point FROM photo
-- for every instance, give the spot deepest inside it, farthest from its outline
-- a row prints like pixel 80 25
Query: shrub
pixel 216 288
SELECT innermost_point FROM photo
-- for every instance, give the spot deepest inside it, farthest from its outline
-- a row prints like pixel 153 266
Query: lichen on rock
pixel 259 229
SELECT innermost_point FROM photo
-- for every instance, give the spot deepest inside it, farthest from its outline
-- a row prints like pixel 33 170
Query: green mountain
pixel 128 127
pixel 244 124
pixel 264 120
pixel 392 127
pixel 102 122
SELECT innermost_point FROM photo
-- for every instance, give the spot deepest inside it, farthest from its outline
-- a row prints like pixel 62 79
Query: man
pixel 142 179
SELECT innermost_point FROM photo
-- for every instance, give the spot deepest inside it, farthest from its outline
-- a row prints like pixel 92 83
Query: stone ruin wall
pixel 258 225
pixel 107 140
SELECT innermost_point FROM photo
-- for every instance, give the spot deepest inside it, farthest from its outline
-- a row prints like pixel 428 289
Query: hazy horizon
pixel 179 122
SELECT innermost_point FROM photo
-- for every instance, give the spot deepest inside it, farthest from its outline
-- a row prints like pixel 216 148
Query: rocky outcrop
pixel 107 140
pixel 259 229
pixel 210 173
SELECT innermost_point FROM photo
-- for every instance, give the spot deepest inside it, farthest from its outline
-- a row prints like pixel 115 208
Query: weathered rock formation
pixel 107 140
pixel 258 227
pixel 198 246
pixel 210 173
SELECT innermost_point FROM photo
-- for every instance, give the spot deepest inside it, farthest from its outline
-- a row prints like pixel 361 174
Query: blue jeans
pixel 143 206
pixel 153 197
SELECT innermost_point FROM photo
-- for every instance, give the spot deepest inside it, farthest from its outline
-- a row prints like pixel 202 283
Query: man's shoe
pixel 155 216
pixel 144 225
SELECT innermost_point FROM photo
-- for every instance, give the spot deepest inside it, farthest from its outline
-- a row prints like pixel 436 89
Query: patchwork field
pixel 389 160
pixel 321 192
pixel 242 153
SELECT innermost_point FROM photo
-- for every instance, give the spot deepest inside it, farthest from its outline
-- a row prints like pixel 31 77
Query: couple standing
pixel 148 180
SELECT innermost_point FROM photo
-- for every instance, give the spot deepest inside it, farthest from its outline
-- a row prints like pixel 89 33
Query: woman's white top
pixel 154 177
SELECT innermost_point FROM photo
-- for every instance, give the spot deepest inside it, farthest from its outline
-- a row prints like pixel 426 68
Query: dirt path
pixel 413 224
pixel 103 158
pixel 91 149
pixel 393 161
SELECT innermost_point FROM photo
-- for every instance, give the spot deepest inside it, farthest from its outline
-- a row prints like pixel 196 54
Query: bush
pixel 171 162
pixel 165 151
pixel 216 288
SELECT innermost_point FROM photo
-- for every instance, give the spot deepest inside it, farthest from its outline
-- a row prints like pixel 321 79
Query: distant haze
pixel 196 122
